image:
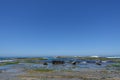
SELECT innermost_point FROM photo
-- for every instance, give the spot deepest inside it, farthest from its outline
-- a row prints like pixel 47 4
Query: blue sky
pixel 59 27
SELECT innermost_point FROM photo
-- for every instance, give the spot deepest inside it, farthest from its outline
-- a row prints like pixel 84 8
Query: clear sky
pixel 59 27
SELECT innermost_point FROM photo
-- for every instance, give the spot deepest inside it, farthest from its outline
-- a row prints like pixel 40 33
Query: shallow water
pixel 67 66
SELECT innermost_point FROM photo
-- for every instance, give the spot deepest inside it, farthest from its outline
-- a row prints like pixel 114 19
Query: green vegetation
pixel 93 58
pixel 116 65
pixel 43 70
pixel 8 63
pixel 40 70
pixel 30 60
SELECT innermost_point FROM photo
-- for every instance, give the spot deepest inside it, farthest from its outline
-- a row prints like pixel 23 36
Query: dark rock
pixel 45 63
pixel 57 62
